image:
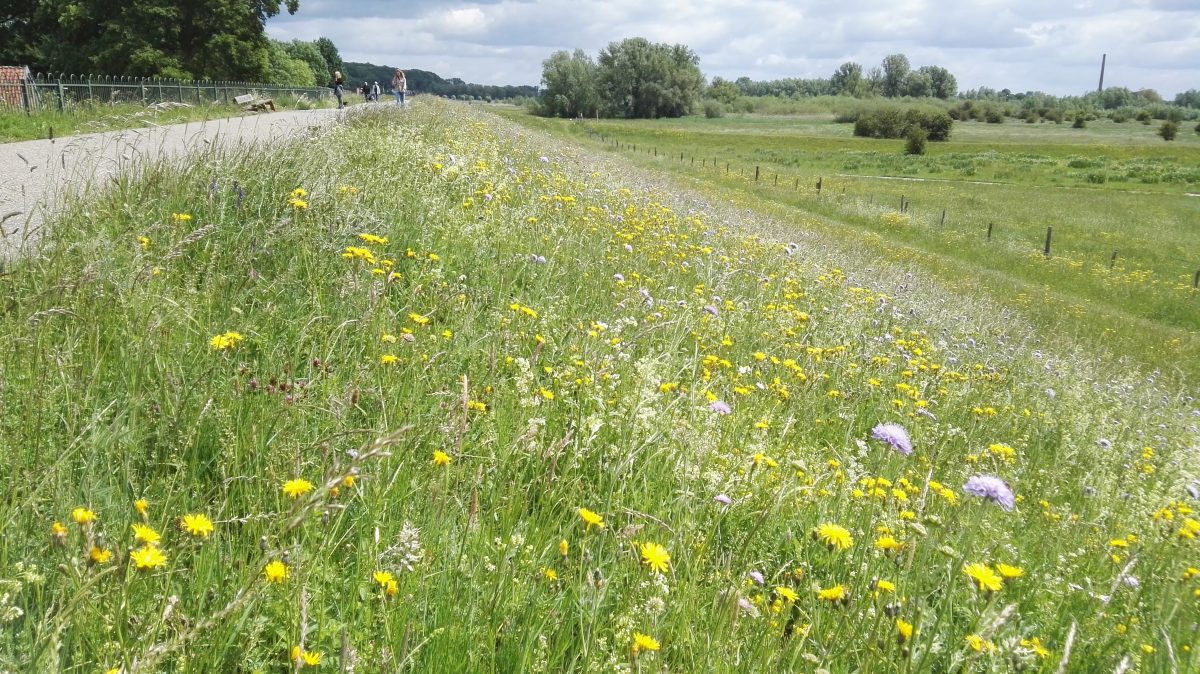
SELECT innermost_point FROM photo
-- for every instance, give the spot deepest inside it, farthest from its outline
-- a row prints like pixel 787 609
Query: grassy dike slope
pixel 491 435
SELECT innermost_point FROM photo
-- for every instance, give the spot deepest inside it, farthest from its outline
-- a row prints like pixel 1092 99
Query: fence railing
pixel 61 92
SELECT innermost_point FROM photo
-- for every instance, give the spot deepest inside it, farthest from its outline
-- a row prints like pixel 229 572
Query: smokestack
pixel 1102 60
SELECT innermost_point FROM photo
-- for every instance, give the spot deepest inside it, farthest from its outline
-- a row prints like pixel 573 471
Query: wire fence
pixel 62 92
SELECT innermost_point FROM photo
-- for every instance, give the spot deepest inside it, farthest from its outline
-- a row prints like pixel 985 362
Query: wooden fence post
pixel 1112 261
pixel 1046 249
pixel 755 174
pixel 943 222
pixel 989 236
pixel 1196 279
pixel 62 95
pixel 819 179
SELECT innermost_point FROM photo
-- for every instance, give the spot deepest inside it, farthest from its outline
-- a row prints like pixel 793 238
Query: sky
pixel 1022 45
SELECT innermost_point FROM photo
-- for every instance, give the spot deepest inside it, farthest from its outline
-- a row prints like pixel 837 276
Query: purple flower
pixel 720 407
pixel 628 248
pixel 895 436
pixel 992 488
pixel 722 499
pixel 757 577
pixel 712 310
pixel 618 277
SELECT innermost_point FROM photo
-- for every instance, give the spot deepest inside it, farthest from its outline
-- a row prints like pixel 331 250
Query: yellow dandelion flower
pixel 1035 644
pixel 985 579
pixel 142 506
pixel 388 359
pixel 181 217
pixel 374 240
pixel 297 488
pixel 591 519
pixel 276 571
pixel 146 534
pixel 144 242
pixel 564 547
pixel 226 341
pixel 834 536
pixel 549 574
pixel 644 642
pixel 58 532
pixel 383 578
pixel 305 658
pixel 1009 572
pixel 197 524
pixel 441 458
pixel 418 318
pixel 656 557
pixel 786 593
pixel 885 586
pixel 299 193
pixel 148 557
pixel 904 630
pixel 834 594
pixel 979 644
pixel 83 516
pixel 99 555
pixel 888 544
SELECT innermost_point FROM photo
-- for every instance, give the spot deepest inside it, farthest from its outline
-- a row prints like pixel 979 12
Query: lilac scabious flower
pixel 757 577
pixel 619 278
pixel 992 488
pixel 895 436
pixel 712 310
pixel 720 407
pixel 722 499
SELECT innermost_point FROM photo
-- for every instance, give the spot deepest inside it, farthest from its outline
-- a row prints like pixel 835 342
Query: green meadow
pixel 433 391
pixel 1120 201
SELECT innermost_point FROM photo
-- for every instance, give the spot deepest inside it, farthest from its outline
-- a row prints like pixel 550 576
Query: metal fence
pixel 63 92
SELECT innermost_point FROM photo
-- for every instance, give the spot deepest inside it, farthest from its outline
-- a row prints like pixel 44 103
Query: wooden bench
pixel 252 104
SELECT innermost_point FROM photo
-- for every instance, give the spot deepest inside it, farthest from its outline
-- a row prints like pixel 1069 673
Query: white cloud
pixel 1016 44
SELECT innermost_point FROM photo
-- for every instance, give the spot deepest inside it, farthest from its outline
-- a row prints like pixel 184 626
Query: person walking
pixel 375 91
pixel 337 88
pixel 399 84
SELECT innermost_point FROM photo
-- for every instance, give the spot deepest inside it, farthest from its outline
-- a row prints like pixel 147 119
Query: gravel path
pixel 34 175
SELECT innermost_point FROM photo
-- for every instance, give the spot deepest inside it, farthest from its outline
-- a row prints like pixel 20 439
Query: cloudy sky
pixel 1048 45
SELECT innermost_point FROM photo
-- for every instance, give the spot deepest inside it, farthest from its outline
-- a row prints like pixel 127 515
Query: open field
pixel 1020 178
pixel 431 392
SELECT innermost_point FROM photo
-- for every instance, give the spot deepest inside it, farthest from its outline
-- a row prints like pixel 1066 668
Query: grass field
pixel 1018 178
pixel 432 392
pixel 86 117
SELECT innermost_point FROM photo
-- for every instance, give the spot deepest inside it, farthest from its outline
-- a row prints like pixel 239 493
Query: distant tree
pixel 333 59
pixel 918 85
pixel 641 80
pixel 1168 130
pixel 873 82
pixel 283 68
pixel 723 90
pixel 942 84
pixel 1149 95
pixel 846 79
pixel 1188 99
pixel 895 69
pixel 569 85
pixel 915 140
pixel 311 55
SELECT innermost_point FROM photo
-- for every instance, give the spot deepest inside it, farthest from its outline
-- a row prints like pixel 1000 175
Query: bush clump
pixel 713 108
pixel 895 122
pixel 915 140
pixel 1168 130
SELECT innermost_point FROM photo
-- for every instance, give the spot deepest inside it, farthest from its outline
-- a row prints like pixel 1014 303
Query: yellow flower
pixel 83 516
pixel 591 519
pixel 834 594
pixel 786 593
pixel 383 578
pixel 885 586
pixel 1009 572
pixel 297 488
pixel 298 204
pixel 144 242
pixel 549 574
pixel 979 644
pixel 564 547
pixel 143 533
pixel 142 506
pixel 58 532
pixel 986 579
pixel 299 193
pixel 441 458
pixel 888 544
pixel 1034 644
pixel 834 536
pixel 197 525
pixel 388 359
pixel 99 556
pixel 225 341
pixel 372 239
pixel 904 630
pixel 305 658
pixel 181 217
pixel 656 557
pixel 276 571
pixel 644 642
pixel 546 393
pixel 418 318
pixel 148 557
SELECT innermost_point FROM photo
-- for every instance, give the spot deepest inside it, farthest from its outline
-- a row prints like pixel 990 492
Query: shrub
pixel 1080 121
pixel 915 140
pixel 993 116
pixel 1144 116
pixel 1168 130
pixel 713 108
pixel 895 122
pixel 1198 128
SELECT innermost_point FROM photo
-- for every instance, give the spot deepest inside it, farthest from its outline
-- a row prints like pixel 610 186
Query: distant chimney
pixel 1102 60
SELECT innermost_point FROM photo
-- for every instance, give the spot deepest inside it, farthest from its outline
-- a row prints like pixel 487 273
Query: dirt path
pixel 34 175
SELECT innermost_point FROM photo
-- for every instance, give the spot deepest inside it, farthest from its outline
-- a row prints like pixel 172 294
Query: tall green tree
pixel 569 84
pixel 846 79
pixel 333 59
pixel 942 84
pixel 895 69
pixel 639 79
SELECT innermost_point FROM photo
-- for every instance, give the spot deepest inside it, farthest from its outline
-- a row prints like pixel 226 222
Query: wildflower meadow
pixel 429 392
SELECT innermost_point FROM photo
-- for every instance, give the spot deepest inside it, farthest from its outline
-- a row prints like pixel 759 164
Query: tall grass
pixel 404 440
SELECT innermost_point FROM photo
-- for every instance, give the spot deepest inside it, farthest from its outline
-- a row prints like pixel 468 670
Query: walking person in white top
pixel 375 91
pixel 399 84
